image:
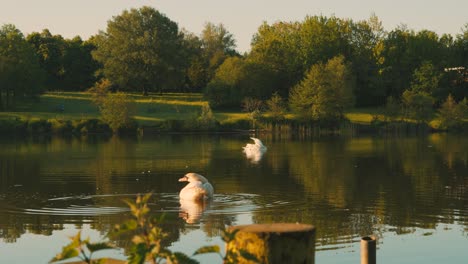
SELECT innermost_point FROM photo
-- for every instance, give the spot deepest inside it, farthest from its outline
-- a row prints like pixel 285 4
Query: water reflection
pixel 346 187
pixel 192 210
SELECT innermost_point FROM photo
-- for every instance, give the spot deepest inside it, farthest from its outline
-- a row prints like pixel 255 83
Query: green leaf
pixel 93 247
pixel 68 251
pixel 248 256
pixel 179 258
pixel 207 249
pixel 137 254
pixel 228 236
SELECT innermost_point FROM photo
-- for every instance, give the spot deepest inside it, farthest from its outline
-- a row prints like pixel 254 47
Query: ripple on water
pixel 108 204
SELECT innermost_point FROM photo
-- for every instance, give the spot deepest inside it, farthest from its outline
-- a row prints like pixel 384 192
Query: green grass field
pixel 149 110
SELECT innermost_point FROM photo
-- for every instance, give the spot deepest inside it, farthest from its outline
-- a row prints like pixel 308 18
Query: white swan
pixel 254 152
pixel 198 188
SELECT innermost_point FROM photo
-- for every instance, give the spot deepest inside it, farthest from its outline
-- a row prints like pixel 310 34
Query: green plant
pixel 147 236
pixel 82 249
pixel 116 111
pixel 231 257
pixel 206 119
pixel 276 106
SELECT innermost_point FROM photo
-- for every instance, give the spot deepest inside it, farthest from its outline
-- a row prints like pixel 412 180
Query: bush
pixel 40 126
pixel 116 111
pixel 451 114
pixel 92 126
pixel 13 126
pixel 61 126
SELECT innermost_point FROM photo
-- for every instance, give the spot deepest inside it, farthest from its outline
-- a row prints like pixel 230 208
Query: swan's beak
pixel 183 179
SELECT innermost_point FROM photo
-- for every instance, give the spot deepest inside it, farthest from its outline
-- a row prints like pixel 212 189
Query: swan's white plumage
pixel 254 152
pixel 198 187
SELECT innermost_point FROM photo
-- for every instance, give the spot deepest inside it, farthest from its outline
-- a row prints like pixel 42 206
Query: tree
pixel 366 43
pixel 325 91
pixel 426 79
pixel 141 50
pixel 224 89
pixel 20 73
pixel 217 45
pixel 78 65
pixel 452 114
pixel 116 111
pixel 418 105
pixel 50 50
pixel 276 106
pixel 196 71
pixel 276 48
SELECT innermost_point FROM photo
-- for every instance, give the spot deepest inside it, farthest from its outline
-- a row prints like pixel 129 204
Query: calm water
pixel 411 192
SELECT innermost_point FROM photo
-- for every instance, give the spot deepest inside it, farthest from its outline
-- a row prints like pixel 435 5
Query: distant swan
pixel 254 152
pixel 198 188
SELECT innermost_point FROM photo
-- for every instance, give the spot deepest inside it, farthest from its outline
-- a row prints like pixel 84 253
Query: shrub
pixel 60 126
pixel 90 126
pixel 451 114
pixel 40 126
pixel 116 111
pixel 418 105
pixel 276 106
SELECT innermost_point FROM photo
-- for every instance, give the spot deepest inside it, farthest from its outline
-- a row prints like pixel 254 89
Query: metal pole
pixel 368 250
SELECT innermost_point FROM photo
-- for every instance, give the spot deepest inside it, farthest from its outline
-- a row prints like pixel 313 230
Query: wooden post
pixel 368 250
pixel 274 243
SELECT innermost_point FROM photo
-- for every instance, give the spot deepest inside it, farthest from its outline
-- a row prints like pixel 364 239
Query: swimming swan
pixel 198 188
pixel 254 152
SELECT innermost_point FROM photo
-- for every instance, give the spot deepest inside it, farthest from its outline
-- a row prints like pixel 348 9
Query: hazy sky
pixel 241 17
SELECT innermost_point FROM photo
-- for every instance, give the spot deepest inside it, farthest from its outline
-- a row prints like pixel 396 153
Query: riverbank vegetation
pixel 143 72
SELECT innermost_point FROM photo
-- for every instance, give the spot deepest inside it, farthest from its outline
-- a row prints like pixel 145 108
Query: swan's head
pixel 193 177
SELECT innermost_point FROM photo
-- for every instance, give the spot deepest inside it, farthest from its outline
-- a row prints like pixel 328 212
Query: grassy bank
pixel 63 112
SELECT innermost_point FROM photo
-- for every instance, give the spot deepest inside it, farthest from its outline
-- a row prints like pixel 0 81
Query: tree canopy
pixel 141 50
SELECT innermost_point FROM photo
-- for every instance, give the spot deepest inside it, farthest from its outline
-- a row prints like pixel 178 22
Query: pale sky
pixel 241 17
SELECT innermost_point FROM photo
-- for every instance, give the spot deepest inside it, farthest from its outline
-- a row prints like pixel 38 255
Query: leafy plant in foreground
pixel 82 249
pixel 147 236
pixel 231 256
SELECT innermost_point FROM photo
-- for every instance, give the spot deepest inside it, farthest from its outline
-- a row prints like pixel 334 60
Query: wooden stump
pixel 275 243
pixel 368 250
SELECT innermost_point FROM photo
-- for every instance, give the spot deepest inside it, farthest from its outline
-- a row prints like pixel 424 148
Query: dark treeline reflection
pixel 346 187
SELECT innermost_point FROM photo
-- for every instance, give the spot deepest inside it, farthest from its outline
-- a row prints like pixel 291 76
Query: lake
pixel 411 192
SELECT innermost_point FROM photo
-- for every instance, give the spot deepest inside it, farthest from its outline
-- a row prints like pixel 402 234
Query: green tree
pixel 276 48
pixel 325 92
pixel 224 89
pixel 217 45
pixel 366 43
pixel 50 49
pixel 116 110
pixel 417 105
pixel 452 114
pixel 276 106
pixel 196 71
pixel 141 49
pixel 78 65
pixel 20 73
pixel 426 79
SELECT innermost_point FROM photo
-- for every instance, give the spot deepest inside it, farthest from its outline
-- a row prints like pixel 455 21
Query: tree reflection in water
pixel 346 187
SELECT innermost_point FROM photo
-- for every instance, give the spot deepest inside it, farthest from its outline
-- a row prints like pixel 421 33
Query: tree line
pixel 305 63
